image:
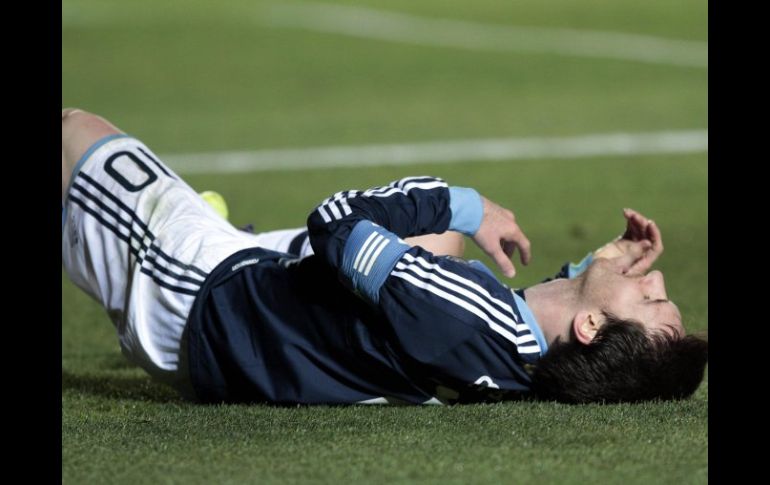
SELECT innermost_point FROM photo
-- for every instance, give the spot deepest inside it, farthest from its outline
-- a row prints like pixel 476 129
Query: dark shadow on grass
pixel 117 387
pixel 103 360
pixel 117 362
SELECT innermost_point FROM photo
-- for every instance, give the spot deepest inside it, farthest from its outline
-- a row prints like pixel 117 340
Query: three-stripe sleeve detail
pixel 336 207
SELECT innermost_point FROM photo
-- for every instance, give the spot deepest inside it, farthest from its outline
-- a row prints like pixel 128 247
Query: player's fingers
pixel 525 248
pixel 505 264
pixel 637 249
pixel 643 264
pixel 644 257
pixel 633 255
pixel 502 260
pixel 627 234
pixel 515 238
pixel 636 225
pixel 631 231
pixel 632 213
pixel 653 234
pixel 508 247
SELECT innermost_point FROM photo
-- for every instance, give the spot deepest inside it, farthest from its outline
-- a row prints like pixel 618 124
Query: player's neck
pixel 554 304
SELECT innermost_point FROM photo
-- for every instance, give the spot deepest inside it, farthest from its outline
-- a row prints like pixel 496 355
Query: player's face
pixel 638 297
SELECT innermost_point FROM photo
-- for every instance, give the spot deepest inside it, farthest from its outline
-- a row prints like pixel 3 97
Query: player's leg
pixel 137 239
pixel 290 241
pixel 82 132
pixel 79 131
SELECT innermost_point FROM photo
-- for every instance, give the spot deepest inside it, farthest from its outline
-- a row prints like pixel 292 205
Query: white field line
pixel 404 28
pixel 398 27
pixel 452 151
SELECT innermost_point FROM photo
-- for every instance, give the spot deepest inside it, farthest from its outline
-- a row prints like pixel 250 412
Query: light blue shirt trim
pixel 476 264
pixel 80 163
pixel 467 210
pixel 531 321
pixel 577 269
pixel 370 253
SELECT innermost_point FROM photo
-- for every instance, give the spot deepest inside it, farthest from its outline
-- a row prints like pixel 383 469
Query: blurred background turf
pixel 204 76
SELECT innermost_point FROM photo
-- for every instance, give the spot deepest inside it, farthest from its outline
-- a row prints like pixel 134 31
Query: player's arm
pixel 415 206
pixel 453 322
pixel 450 243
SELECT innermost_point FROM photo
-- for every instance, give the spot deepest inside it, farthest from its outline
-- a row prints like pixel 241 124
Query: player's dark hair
pixel 623 363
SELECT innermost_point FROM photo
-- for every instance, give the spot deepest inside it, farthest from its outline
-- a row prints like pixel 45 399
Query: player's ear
pixel 585 324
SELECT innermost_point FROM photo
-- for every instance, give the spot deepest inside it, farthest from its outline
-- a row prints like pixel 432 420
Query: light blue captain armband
pixel 577 269
pixel 467 210
pixel 370 254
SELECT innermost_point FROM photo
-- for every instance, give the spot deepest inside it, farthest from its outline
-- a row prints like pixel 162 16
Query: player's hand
pixel 499 236
pixel 639 246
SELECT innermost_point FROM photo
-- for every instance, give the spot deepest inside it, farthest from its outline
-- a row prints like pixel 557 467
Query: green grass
pixel 189 76
pixel 206 78
pixel 158 442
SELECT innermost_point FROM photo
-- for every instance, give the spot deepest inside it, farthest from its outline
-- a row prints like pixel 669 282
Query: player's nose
pixel 655 285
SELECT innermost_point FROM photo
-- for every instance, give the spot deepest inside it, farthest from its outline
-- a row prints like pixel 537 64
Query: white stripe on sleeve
pixel 375 255
pixel 457 301
pixel 369 252
pixel 363 249
pixel 323 213
pixel 437 279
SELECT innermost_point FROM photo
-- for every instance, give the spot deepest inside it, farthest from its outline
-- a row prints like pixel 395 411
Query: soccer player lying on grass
pixel 227 316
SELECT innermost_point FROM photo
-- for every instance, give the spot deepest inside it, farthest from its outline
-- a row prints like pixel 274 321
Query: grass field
pixel 194 76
